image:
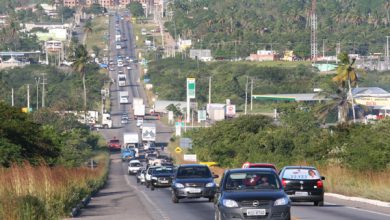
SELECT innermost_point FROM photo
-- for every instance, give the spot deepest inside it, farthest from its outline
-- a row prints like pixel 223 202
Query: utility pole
pixel 313 32
pixel 210 90
pixel 387 52
pixel 28 97
pixel 323 49
pixel 12 97
pixel 251 94
pixel 37 79
pixel 43 89
pixel 338 49
pixel 246 94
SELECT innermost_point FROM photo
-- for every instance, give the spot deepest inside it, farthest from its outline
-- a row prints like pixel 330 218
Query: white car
pixel 128 67
pixel 140 121
pixel 141 176
pixel 123 100
pixel 133 167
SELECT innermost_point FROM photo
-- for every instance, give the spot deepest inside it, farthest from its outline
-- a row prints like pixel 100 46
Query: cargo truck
pixel 130 140
pixel 123 97
pixel 121 79
pixel 139 111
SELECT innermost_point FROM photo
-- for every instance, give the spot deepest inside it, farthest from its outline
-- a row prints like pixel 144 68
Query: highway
pixel 123 198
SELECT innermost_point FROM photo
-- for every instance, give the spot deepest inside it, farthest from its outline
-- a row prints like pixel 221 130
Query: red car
pixel 259 165
pixel 114 144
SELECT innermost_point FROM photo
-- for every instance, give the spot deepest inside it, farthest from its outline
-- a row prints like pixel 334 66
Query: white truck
pixel 130 139
pixel 139 111
pixel 123 97
pixel 137 101
pixel 106 120
pixel 121 79
pixel 149 132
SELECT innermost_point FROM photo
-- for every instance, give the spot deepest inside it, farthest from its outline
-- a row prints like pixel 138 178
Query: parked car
pixel 303 184
pixel 255 193
pixel 259 165
pixel 193 181
pixel 141 175
pixel 133 167
pixel 161 177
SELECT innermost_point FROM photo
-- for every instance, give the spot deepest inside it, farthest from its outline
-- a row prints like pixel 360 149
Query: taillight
pixel 320 184
pixel 284 183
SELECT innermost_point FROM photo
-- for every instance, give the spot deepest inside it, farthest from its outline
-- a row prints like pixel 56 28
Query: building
pixel 71 3
pixel 60 34
pixel 50 10
pixel 11 63
pixel 184 44
pixel 263 55
pixel 203 55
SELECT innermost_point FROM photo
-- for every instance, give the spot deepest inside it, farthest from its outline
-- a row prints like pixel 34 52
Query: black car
pixel 161 177
pixel 251 193
pixel 303 184
pixel 193 181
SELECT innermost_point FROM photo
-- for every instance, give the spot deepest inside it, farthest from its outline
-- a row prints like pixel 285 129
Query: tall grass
pixel 42 192
pixel 367 184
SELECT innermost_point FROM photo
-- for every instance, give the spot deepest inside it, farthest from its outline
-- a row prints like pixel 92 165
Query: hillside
pixel 235 28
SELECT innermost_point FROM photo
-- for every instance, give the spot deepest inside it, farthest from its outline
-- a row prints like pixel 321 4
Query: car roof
pixel 135 161
pixel 301 167
pixel 193 165
pixel 238 170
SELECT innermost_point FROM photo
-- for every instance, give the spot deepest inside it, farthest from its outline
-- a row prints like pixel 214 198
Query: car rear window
pixel 251 180
pixel 114 141
pixel 301 174
pixel 194 172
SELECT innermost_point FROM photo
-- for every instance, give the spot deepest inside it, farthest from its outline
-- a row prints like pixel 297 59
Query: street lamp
pixel 37 79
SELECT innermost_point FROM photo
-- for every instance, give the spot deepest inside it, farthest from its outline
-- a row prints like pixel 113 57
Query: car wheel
pixel 174 198
pixel 319 203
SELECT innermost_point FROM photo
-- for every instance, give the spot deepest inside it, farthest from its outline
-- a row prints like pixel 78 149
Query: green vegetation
pixel 234 28
pixel 136 9
pixel 97 31
pixel 298 139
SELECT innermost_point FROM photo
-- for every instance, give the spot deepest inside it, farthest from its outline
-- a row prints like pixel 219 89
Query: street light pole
pixel 246 94
pixel 37 79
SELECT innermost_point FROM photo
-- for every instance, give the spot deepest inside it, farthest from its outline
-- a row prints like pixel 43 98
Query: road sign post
pixel 190 95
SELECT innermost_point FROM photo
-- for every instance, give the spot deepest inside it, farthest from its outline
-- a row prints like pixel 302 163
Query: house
pixel 203 55
pixel 263 55
pixel 184 44
pixel 11 63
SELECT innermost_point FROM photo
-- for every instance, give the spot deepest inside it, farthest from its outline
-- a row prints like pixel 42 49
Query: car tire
pixel 319 203
pixel 174 198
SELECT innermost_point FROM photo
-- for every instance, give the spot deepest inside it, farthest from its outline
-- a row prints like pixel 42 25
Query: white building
pixel 203 55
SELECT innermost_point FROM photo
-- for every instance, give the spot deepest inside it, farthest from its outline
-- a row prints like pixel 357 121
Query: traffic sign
pixel 178 150
pixel 191 88
pixel 202 115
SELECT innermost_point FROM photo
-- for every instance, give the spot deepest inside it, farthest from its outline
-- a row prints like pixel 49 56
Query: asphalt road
pixel 123 198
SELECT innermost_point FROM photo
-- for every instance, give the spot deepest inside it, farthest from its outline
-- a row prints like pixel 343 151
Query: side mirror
pixel 322 178
pixel 215 176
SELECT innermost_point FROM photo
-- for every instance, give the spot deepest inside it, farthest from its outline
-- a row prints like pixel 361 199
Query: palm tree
pixel 81 56
pixel 87 29
pixel 345 79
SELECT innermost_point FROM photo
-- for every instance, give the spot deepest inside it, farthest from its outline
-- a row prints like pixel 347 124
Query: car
pixel 133 167
pixel 259 165
pixel 125 119
pixel 128 67
pixel 193 181
pixel 141 175
pixel 114 144
pixel 161 177
pixel 140 121
pixel 148 175
pixel 251 193
pixel 303 184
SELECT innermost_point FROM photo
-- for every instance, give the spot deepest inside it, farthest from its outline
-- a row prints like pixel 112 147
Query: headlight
pixel 210 184
pixel 179 185
pixel 229 203
pixel 282 201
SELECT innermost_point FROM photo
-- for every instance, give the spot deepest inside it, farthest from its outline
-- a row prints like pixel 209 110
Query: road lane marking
pixel 155 207
pixel 360 209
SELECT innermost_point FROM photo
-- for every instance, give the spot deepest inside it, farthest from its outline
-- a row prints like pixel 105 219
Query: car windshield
pixel 114 141
pixel 251 180
pixel 135 164
pixel 301 174
pixel 163 170
pixel 193 172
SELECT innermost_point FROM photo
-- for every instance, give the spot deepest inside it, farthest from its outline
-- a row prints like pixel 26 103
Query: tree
pixel 136 9
pixel 82 58
pixel 87 28
pixel 96 50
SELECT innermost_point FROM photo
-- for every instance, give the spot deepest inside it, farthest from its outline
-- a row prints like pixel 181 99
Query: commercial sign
pixel 185 142
pixel 230 110
pixel 373 101
pixel 191 88
pixel 202 115
pixel 190 157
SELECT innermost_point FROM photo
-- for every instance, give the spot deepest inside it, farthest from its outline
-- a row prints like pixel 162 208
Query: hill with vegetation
pixel 236 28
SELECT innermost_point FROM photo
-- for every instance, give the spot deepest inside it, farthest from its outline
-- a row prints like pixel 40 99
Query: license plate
pixel 255 212
pixel 194 190
pixel 298 193
pixel 164 181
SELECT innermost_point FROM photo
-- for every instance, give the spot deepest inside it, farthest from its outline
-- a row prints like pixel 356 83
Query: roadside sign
pixel 170 117
pixel 177 130
pixel 191 88
pixel 202 115
pixel 178 150
pixel 230 110
pixel 185 142
pixel 190 157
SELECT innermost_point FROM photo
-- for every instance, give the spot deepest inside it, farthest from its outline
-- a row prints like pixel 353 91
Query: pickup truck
pixel 127 154
pixel 114 144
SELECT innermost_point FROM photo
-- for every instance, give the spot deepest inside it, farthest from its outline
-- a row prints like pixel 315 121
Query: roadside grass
pixel 43 192
pixel 367 184
pixel 98 35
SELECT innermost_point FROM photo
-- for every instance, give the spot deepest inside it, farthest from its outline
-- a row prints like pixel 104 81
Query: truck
pixel 123 97
pixel 139 111
pixel 130 139
pixel 149 132
pixel 137 101
pixel 121 79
